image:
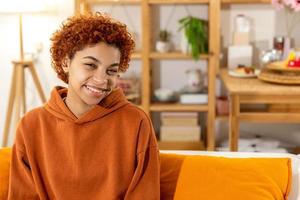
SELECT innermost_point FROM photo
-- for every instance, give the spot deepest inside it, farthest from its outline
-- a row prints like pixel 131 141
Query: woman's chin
pixel 94 101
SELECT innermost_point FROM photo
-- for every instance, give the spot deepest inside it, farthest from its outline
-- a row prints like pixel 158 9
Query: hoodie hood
pixel 56 106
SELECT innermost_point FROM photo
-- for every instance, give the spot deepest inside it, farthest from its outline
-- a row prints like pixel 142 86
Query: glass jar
pixel 278 43
pixel 242 24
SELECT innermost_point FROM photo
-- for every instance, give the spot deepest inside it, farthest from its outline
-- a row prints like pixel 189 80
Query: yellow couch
pixel 4 172
pixel 195 175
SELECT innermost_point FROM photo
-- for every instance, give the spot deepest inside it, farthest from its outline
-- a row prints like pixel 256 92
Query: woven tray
pixel 281 66
pixel 279 77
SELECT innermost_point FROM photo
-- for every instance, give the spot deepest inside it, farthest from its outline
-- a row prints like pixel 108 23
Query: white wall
pixel 265 25
pixel 37 29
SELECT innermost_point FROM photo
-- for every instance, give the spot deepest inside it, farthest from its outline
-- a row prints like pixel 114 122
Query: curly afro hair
pixel 83 30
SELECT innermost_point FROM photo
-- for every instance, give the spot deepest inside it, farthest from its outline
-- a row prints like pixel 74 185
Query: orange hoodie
pixel 110 153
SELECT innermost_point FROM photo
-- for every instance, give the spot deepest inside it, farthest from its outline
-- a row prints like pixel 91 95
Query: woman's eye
pixel 112 71
pixel 91 65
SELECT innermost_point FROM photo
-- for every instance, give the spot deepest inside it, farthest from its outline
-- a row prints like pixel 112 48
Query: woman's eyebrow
pixel 98 61
pixel 93 58
pixel 114 65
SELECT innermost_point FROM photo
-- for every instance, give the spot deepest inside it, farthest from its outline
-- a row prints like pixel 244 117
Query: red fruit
pixel 294 63
pixel 297 63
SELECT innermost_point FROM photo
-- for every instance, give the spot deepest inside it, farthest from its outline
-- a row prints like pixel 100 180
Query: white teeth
pixel 93 89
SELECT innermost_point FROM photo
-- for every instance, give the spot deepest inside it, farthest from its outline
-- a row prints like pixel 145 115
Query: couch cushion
pixel 273 171
pixel 219 178
pixel 5 154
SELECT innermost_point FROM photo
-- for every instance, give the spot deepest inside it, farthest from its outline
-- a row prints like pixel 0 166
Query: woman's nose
pixel 100 78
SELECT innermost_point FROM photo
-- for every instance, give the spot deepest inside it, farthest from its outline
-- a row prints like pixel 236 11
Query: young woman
pixel 88 141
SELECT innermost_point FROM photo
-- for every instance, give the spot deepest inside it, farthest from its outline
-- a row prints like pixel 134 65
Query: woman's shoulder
pixel 34 115
pixel 29 124
pixel 132 110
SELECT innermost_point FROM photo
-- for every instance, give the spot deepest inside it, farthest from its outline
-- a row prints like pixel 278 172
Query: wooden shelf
pixel 178 1
pixel 222 117
pixel 175 55
pixel 246 1
pixel 95 2
pixel 136 55
pixel 179 107
pixel 179 145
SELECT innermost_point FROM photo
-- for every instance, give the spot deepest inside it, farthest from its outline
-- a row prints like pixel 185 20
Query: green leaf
pixel 196 32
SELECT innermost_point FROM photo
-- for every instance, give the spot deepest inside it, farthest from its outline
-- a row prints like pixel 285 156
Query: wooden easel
pixel 17 91
pixel 17 95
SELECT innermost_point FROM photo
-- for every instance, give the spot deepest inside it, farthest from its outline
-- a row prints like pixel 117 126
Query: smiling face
pixel 93 73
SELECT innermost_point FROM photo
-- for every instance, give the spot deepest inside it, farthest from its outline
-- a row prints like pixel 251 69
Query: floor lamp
pixel 17 96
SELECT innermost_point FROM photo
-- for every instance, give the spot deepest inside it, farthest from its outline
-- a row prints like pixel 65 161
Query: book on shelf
pixel 179 115
pixel 201 98
pixel 179 122
pixel 180 133
pixel 179 119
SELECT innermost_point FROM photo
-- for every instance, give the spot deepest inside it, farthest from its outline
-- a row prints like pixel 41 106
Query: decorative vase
pixel 195 81
pixel 163 47
pixel 184 45
pixel 222 105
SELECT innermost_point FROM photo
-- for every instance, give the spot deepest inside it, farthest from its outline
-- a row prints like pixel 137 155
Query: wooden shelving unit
pixel 136 55
pixel 95 2
pixel 178 107
pixel 147 56
pixel 179 1
pixel 175 56
pixel 222 117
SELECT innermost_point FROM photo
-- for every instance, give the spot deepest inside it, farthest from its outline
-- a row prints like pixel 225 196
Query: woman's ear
pixel 66 65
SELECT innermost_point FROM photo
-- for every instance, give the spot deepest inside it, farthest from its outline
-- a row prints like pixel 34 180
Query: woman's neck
pixel 78 109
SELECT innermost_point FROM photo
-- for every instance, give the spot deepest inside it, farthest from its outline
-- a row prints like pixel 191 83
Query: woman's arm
pixel 145 184
pixel 21 184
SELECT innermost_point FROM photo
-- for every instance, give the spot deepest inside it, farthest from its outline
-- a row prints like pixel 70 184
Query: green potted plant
pixel 163 44
pixel 195 35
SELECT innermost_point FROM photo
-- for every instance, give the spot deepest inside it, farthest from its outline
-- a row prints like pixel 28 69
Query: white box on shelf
pixel 239 55
pixel 194 98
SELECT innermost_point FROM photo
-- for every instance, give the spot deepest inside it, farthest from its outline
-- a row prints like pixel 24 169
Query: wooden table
pixel 255 91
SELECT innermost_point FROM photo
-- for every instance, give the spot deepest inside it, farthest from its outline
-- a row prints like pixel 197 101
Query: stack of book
pixel 180 126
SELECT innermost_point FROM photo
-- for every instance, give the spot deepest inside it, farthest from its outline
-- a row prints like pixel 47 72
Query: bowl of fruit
pixel 291 64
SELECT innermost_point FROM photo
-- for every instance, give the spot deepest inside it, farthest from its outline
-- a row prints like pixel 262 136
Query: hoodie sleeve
pixel 21 184
pixel 145 183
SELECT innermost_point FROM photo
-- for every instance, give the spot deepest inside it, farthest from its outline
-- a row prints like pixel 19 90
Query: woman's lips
pixel 98 90
pixel 94 90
